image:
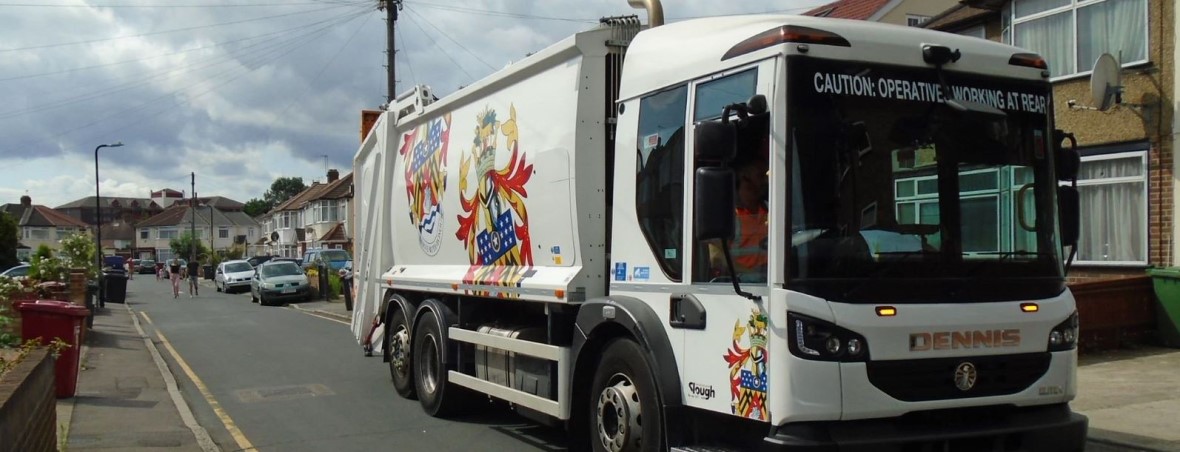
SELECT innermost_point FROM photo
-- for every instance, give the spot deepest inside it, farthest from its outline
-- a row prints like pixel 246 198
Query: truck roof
pixel 670 54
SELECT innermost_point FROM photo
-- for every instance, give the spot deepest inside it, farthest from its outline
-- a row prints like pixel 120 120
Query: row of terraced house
pixel 143 228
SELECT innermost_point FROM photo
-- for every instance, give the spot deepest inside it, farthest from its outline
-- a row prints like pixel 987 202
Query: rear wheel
pixel 397 341
pixel 624 413
pixel 437 396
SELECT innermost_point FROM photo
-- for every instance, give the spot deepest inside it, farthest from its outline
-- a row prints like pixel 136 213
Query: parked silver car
pixel 233 275
pixel 273 282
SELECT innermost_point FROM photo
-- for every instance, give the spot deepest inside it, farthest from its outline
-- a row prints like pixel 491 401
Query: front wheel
pixel 625 413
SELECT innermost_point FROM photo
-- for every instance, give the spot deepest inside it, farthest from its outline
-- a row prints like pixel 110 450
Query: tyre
pixel 397 341
pixel 262 299
pixel 215 286
pixel 625 413
pixel 437 396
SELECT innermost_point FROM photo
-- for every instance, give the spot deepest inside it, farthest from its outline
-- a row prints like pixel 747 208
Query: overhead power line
pixel 164 108
pixel 449 38
pixel 194 49
pixel 233 56
pixel 441 50
pixel 195 5
pixel 255 19
pixel 488 12
pixel 413 78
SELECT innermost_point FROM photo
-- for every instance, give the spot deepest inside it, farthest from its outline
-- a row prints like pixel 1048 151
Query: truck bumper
pixel 1042 428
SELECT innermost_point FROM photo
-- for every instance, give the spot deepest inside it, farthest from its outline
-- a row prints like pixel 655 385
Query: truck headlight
pixel 1064 336
pixel 815 339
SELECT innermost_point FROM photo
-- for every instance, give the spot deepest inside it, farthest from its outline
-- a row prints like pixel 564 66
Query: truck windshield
pixel 896 197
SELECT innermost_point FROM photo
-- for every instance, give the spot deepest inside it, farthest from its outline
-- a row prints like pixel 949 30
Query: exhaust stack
pixel 655 11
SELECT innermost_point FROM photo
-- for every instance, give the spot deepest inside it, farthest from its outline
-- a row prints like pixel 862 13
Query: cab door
pixel 725 335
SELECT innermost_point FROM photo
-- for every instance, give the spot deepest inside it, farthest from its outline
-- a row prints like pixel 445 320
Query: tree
pixel 182 247
pixel 255 207
pixel 283 189
pixel 9 239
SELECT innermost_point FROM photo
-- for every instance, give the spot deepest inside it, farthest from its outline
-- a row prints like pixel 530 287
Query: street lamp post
pixel 98 213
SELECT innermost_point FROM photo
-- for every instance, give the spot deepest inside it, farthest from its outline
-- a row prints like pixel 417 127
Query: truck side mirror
pixel 715 141
pixel 1069 212
pixel 713 203
pixel 1069 161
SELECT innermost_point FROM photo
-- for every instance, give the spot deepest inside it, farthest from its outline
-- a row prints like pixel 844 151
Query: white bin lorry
pixel 768 231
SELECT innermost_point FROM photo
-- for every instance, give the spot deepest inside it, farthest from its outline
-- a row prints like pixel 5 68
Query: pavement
pixel 127 397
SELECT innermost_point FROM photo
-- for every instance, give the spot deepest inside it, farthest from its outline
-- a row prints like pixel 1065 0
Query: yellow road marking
pixel 145 317
pixel 316 314
pixel 243 443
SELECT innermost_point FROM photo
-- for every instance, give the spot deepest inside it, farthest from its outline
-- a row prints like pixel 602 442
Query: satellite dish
pixel 274 236
pixel 1106 86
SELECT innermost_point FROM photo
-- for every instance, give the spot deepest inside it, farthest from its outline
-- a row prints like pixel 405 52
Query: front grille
pixel 915 380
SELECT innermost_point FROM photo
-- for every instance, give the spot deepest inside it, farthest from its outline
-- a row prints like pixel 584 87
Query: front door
pixel 725 335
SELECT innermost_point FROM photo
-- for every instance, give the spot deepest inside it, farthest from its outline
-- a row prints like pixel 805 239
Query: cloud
pixel 240 94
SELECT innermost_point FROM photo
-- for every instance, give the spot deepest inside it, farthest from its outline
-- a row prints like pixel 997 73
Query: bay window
pixel 1071 34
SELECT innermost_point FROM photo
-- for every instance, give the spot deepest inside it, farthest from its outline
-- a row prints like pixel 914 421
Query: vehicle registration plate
pixel 288 290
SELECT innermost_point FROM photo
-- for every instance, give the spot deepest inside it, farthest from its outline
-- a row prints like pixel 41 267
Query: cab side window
pixel 749 246
pixel 659 180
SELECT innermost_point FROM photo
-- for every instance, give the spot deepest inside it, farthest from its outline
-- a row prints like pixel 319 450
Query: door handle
pixel 686 311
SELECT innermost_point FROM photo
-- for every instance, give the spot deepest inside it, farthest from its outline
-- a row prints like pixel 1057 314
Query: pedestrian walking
pixel 192 270
pixel 173 268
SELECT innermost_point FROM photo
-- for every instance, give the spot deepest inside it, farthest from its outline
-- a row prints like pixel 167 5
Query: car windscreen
pixel 335 255
pixel 236 267
pixel 281 269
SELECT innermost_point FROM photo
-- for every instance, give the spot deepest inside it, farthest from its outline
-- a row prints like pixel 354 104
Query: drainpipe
pixel 1175 129
pixel 655 11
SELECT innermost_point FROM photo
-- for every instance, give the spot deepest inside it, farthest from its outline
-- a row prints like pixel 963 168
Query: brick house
pixel 39 225
pixel 1126 182
pixel 218 229
pixel 314 218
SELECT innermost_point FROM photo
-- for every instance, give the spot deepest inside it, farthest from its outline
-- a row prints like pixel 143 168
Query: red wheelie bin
pixel 46 320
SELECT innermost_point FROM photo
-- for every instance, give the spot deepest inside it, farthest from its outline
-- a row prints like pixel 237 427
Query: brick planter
pixel 28 408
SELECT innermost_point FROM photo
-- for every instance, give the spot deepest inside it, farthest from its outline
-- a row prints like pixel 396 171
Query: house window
pixel 167 234
pixel 1071 34
pixel 163 254
pixel 250 233
pixel 286 220
pixel 38 234
pixel 223 233
pixel 915 20
pixel 327 212
pixel 1113 193
pixel 144 234
pixel 63 233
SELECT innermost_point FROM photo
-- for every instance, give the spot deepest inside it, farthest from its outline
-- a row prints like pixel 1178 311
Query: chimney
pixel 26 201
pixel 333 175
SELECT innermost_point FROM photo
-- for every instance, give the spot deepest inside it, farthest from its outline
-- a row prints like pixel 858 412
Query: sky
pixel 241 92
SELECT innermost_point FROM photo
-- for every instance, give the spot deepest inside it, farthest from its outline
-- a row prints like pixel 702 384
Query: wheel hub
pixel 398 344
pixel 619 416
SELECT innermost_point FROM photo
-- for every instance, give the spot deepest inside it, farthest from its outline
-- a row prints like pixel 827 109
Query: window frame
pixel 1145 179
pixel 1008 34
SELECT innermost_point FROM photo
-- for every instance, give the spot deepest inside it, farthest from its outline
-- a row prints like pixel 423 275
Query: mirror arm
pixel 737 288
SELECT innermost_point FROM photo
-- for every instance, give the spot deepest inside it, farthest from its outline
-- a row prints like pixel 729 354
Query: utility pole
pixel 391 8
